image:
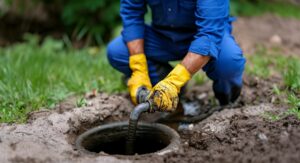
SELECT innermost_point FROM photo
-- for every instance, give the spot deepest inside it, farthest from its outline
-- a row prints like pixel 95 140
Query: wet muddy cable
pixel 134 117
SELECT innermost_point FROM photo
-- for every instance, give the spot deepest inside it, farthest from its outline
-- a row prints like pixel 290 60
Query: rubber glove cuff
pixel 164 95
pixel 139 77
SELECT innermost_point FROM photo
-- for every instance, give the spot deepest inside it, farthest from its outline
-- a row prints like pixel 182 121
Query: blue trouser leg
pixel 226 72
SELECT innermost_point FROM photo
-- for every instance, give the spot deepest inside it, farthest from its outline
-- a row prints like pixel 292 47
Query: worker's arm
pixel 132 13
pixel 136 47
pixel 211 19
pixel 194 62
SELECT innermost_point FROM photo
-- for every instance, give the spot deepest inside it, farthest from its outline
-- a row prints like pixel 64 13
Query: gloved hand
pixel 139 77
pixel 164 95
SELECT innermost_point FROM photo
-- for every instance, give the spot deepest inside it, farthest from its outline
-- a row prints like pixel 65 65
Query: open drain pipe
pixel 134 117
pixel 145 138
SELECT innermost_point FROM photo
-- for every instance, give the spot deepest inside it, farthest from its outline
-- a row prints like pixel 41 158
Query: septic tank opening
pixel 111 139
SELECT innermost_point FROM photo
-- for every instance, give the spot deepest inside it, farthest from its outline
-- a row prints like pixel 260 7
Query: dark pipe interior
pixel 113 140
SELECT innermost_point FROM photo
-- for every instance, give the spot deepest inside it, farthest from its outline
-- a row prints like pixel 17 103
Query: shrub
pixel 94 20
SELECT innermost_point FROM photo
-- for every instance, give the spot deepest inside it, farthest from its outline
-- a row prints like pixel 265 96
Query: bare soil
pixel 49 134
pixel 239 134
pixel 245 139
pixel 269 31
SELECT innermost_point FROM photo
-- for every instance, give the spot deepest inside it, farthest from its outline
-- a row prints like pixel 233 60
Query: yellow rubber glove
pixel 164 95
pixel 139 76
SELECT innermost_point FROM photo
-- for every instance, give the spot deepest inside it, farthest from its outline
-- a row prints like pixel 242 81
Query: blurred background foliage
pixel 95 21
pixel 84 22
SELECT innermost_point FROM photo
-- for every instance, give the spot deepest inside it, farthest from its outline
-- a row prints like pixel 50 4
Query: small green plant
pixel 258 64
pixel 81 102
pixel 276 90
pixel 11 112
pixel 271 116
pixel 292 75
pixel 294 103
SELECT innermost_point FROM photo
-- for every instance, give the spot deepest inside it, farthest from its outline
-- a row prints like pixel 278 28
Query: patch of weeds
pixel 81 102
pixel 294 109
pixel 276 90
pixel 294 103
pixel 11 112
pixel 34 75
pixel 279 61
pixel 258 65
pixel 271 116
pixel 264 63
pixel 292 75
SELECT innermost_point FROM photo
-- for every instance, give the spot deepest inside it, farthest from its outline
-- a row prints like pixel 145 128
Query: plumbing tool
pixel 143 106
pixel 134 117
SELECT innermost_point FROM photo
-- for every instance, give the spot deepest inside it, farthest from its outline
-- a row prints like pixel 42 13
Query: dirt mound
pixel 246 140
pixel 238 136
pixel 270 31
pixel 48 135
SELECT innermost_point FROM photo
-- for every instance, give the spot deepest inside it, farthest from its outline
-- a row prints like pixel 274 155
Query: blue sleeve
pixel 211 19
pixel 132 14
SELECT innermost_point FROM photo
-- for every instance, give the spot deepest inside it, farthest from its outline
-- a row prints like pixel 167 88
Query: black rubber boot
pixel 225 99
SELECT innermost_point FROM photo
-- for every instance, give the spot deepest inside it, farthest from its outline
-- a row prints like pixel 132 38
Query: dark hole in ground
pixel 112 140
pixel 143 145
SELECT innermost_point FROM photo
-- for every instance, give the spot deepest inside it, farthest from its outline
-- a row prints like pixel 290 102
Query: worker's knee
pixel 112 53
pixel 230 67
pixel 117 53
pixel 230 63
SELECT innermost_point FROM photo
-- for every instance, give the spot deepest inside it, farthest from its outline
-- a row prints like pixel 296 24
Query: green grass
pixel 271 116
pixel 265 63
pixel 294 108
pixel 294 103
pixel 292 75
pixel 34 76
pixel 260 7
pixel 258 65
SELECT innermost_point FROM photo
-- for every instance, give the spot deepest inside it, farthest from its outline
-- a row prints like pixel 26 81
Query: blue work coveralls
pixel 178 27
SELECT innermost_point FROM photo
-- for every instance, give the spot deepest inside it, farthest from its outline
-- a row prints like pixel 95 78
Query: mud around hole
pixel 232 135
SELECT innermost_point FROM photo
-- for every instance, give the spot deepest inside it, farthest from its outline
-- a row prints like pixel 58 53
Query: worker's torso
pixel 173 13
pixel 174 18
